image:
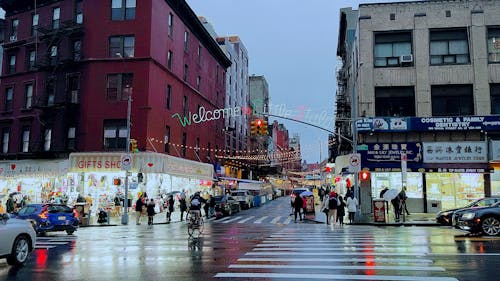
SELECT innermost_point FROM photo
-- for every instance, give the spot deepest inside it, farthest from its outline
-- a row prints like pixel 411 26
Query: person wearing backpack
pixel 297 204
pixel 332 208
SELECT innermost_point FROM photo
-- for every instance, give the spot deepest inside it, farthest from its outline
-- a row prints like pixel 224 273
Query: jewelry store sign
pixel 455 152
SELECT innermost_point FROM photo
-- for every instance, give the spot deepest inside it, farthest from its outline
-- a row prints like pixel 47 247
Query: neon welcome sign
pixel 204 115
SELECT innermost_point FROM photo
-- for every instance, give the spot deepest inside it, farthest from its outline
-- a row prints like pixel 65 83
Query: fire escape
pixel 343 114
pixel 58 62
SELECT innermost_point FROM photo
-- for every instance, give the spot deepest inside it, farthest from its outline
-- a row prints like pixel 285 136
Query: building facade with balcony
pixel 426 82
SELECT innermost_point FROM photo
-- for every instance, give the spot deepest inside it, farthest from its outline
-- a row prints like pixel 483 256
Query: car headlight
pixel 468 216
pixel 445 214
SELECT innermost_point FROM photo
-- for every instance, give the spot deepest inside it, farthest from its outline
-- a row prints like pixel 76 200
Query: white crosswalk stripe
pixel 348 255
pixel 52 242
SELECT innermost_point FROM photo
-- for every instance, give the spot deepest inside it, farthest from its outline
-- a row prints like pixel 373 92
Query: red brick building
pixel 70 65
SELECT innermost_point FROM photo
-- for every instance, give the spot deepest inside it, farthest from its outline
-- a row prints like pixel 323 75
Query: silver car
pixel 18 240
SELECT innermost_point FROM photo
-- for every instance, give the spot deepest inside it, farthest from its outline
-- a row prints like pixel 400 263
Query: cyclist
pixel 195 205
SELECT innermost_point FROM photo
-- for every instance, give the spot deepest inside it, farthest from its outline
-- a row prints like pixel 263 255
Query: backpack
pixel 332 203
pixel 195 202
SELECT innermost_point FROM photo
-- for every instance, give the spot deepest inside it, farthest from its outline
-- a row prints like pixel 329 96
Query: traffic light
pixel 133 146
pixel 253 127
pixel 364 175
pixel 263 127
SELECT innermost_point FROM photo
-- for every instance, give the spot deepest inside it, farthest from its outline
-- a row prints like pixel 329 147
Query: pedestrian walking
pixel 324 206
pixel 395 205
pixel 297 204
pixel 341 210
pixel 170 207
pixel 151 211
pixel 402 197
pixel 10 205
pixel 138 210
pixel 211 202
pixel 118 206
pixel 182 206
pixel 332 208
pixel 352 207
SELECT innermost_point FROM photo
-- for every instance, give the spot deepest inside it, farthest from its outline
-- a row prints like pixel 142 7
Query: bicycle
pixel 195 224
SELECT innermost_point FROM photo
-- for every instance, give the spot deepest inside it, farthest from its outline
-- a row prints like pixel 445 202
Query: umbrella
pixel 306 193
pixel 390 194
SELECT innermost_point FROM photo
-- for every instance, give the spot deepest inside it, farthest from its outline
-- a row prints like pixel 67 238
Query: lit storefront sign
pixel 423 124
pixel 33 167
pixel 455 152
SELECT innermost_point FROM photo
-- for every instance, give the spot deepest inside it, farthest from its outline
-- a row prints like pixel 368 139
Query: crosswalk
pixel 306 252
pixel 254 220
pixel 50 242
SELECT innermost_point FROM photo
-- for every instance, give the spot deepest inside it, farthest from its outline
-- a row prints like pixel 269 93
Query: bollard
pixel 108 213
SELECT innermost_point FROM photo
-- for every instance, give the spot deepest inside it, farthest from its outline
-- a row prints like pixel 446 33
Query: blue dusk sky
pixel 293 43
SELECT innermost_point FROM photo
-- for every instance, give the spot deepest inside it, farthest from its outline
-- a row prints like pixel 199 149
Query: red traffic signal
pixel 364 175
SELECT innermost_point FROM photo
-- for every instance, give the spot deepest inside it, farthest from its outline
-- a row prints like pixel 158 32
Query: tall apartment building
pixel 425 77
pixel 259 103
pixel 67 81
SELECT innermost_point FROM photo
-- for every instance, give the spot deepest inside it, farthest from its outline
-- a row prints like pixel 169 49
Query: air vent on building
pixel 448 13
pixel 74 96
pixel 392 16
pixel 13 38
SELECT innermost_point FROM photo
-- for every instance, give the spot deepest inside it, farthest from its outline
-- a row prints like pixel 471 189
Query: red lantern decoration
pixel 348 182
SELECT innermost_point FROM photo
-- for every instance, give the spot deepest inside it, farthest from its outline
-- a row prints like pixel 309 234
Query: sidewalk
pixel 414 219
pixel 160 218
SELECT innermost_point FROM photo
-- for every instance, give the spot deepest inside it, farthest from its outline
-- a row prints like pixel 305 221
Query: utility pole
pixel 125 202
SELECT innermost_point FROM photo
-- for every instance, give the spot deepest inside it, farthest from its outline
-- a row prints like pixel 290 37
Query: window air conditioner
pixel 406 58
pixel 13 38
pixel 74 96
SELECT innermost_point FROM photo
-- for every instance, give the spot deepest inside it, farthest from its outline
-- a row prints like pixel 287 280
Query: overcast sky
pixel 293 43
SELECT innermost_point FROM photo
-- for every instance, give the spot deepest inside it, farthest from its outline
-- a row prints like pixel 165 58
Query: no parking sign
pixel 126 162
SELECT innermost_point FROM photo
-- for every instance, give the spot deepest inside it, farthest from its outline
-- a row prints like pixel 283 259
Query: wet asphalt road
pixel 260 244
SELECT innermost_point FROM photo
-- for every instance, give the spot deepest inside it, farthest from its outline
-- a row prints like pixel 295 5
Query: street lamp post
pixel 125 202
pixel 354 118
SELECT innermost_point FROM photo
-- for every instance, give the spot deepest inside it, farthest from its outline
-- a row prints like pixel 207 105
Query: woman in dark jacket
pixel 182 206
pixel 341 211
pixel 298 204
pixel 151 211
pixel 170 210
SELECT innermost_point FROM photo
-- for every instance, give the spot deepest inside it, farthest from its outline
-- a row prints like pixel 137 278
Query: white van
pixel 245 198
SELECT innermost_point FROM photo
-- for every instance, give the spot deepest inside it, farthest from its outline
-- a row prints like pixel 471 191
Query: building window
pixel 47 139
pixel 186 41
pixel 394 101
pixel 169 60
pixel 28 96
pixel 449 47
pixel 31 59
pixel 79 11
pixel 56 15
pixel 123 9
pixel 494 44
pixel 51 92
pixel 184 105
pixel 170 24
pixel 452 100
pixel 199 54
pixel 389 47
pixel 115 134
pixel 186 69
pixel 119 86
pixel 184 144
pixel 77 50
pixel 198 83
pixel 495 98
pixel 34 24
pixel 5 140
pixel 167 139
pixel 217 99
pixel 217 74
pixel 11 67
pixel 9 94
pixel 14 28
pixel 53 55
pixel 73 86
pixel 25 145
pixel 169 96
pixel 121 46
pixel 71 142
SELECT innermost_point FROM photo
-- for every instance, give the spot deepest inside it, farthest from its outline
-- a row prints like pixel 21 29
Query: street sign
pixel 126 162
pixel 354 163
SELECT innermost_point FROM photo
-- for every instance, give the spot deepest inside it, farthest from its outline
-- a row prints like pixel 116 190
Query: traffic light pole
pixel 125 201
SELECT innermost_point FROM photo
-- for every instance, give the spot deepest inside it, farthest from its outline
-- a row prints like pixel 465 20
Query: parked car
pixel 244 197
pixel 484 220
pixel 227 205
pixel 446 217
pixel 18 240
pixel 50 217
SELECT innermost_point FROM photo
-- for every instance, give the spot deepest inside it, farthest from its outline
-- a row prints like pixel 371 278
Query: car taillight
pixel 43 215
pixel 75 213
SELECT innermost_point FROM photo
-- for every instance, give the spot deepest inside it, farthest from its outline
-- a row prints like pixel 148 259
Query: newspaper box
pixel 378 210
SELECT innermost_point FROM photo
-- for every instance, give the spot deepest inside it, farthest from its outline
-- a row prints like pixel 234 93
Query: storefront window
pixel 414 187
pixel 454 189
pixel 495 183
